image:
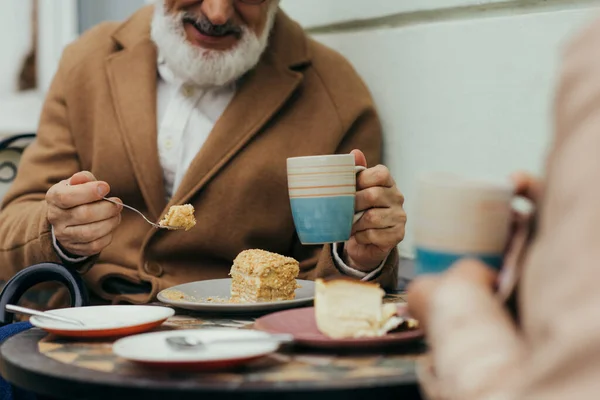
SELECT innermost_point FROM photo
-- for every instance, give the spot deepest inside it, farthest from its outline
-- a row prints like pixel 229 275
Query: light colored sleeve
pixel 474 352
pixel 62 254
pixel 560 287
pixel 346 270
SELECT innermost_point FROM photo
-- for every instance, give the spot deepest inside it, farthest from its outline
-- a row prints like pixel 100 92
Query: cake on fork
pixel 179 217
pixel 259 276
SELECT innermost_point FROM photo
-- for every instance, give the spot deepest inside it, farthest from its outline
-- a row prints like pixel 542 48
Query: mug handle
pixel 358 215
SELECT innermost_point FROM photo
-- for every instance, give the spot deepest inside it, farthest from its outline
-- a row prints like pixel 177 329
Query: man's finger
pixel 92 212
pixel 377 218
pixel 66 197
pixel 376 176
pixel 383 239
pixel 474 271
pixel 373 197
pixel 418 297
pixel 86 234
pixel 92 248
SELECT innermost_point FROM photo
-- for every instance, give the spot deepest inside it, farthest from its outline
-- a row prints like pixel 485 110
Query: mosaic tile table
pixel 89 370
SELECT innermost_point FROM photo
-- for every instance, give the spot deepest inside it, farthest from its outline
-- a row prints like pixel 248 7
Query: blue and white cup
pixel 459 217
pixel 322 190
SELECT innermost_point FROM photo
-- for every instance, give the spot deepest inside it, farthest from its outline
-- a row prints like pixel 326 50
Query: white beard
pixel 205 67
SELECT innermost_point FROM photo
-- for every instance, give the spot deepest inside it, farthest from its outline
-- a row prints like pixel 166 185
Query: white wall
pixel 60 22
pixel 18 110
pixel 15 41
pixel 461 85
pixel 92 12
pixel 57 28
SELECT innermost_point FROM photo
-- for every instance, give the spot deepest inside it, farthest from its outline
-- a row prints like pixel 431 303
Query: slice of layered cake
pixel 347 308
pixel 259 276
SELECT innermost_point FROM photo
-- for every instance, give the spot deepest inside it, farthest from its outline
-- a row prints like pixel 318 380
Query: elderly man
pixel 552 349
pixel 195 102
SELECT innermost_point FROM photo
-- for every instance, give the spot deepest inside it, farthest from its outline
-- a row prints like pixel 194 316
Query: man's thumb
pixel 359 158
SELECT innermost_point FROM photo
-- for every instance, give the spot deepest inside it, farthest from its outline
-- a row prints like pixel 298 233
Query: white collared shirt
pixel 185 117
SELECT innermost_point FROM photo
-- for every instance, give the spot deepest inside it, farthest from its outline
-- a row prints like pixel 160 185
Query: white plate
pixel 152 349
pixel 105 321
pixel 195 292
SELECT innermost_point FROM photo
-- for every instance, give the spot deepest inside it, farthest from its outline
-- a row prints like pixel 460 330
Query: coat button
pixel 153 268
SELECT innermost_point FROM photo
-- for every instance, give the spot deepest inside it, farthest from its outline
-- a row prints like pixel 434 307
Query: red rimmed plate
pixel 105 321
pixel 302 325
pixel 152 349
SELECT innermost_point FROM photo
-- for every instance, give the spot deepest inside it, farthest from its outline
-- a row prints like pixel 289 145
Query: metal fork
pixel 143 216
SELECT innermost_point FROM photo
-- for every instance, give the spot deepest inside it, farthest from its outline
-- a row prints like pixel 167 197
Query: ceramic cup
pixel 322 191
pixel 458 217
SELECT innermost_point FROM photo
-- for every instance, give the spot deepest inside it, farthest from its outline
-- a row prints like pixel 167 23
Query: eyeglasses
pixel 253 2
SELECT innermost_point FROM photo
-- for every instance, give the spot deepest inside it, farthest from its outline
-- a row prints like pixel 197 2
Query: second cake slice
pixel 259 276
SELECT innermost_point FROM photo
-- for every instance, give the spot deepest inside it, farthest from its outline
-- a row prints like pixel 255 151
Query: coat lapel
pixel 132 76
pixel 251 108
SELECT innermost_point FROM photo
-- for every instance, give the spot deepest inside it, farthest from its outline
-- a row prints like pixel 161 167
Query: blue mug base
pixel 322 220
pixel 436 262
pixel 319 243
pixel 309 240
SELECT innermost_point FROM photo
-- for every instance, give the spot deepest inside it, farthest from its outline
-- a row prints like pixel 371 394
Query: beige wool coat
pixel 100 115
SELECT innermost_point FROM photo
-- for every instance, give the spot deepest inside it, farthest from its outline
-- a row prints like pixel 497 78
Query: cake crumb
pixel 173 295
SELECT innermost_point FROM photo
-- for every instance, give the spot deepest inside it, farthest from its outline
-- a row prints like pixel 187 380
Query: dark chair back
pixel 11 150
pixel 40 273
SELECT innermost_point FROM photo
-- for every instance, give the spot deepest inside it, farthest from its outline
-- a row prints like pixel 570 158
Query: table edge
pixel 35 377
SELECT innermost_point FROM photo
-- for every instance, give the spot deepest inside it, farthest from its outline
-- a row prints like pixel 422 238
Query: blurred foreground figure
pixel 478 352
